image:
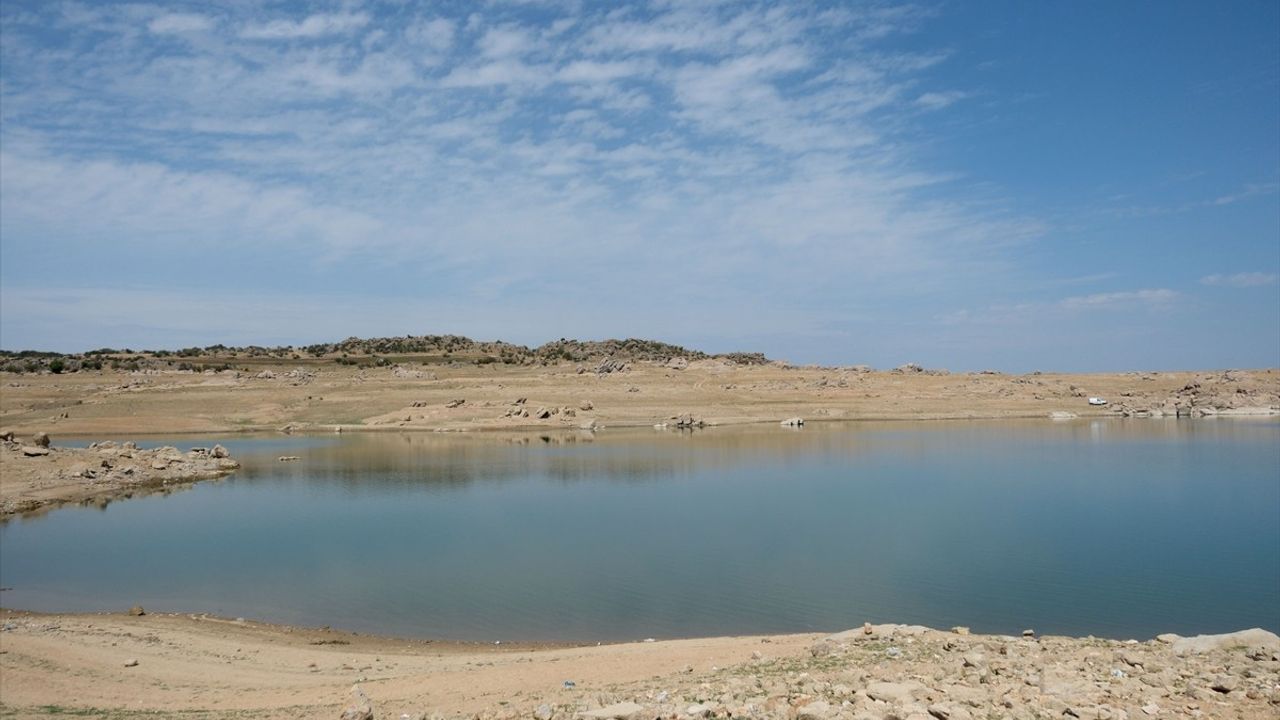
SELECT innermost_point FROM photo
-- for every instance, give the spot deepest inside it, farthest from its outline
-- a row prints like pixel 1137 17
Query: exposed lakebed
pixel 1121 528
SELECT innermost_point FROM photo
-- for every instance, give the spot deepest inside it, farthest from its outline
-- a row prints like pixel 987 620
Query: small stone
pixel 137 611
pixel 34 450
pixel 131 662
pixel 1028 633
pixel 1151 709
pixel 361 708
pixel 960 630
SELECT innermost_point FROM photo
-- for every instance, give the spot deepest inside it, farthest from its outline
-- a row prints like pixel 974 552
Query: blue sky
pixel 1067 186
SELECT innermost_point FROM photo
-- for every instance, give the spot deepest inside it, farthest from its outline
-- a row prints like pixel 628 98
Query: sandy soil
pixel 323 397
pixel 122 666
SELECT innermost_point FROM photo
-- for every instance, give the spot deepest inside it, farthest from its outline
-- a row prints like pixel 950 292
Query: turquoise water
pixel 1120 528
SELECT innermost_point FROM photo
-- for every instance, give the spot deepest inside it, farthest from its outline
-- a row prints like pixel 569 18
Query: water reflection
pixel 1115 527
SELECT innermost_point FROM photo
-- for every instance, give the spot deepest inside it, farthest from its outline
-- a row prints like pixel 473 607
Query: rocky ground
pixel 123 666
pixel 36 474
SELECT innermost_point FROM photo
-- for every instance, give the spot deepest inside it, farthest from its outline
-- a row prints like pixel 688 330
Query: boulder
pixel 137 611
pixel 1255 637
pixel 219 452
pixel 6 435
pixel 34 450
pixel 793 422
pixel 40 439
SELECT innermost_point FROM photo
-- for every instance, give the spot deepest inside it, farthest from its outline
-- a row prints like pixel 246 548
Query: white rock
pixel 1255 637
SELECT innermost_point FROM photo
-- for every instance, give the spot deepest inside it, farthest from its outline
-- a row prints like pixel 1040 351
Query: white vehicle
pixel 1097 401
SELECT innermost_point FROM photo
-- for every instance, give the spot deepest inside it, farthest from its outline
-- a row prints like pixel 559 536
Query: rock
pixel 678 363
pixel 219 452
pixel 818 710
pixel 34 450
pixel 1028 633
pixel 617 711
pixel 688 421
pixel 1255 637
pixel 6 435
pixel 287 458
pixel 456 403
pixel 793 422
pixel 821 649
pixel 137 611
pixel 40 439
pixel 586 405
pixel 894 692
pixel 949 712
pixel 131 662
pixel 589 425
pixel 1224 684
pixel 542 413
pixel 543 712
pixel 360 708
pixel 159 464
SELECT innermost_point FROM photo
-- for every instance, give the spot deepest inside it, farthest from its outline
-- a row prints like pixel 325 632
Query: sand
pixel 195 666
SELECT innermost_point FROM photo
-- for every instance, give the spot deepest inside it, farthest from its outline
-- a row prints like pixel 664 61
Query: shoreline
pixel 204 666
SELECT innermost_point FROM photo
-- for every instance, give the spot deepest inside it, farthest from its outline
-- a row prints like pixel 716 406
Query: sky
pixel 1085 186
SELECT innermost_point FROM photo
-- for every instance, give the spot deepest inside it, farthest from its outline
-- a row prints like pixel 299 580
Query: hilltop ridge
pixel 375 351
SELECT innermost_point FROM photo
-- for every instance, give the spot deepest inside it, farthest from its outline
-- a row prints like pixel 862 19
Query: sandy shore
pixel 196 666
pixel 322 397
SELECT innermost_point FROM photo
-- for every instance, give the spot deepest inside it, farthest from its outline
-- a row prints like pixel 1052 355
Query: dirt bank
pixel 192 666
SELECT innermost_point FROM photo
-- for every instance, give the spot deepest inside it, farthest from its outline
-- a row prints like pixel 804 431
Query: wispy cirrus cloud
pixel 1157 297
pixel 1240 280
pixel 776 160
pixel 312 26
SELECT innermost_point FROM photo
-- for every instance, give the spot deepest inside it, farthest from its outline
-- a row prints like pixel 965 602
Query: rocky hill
pixel 370 351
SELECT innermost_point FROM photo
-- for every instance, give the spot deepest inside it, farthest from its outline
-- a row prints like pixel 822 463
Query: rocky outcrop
pixel 40 475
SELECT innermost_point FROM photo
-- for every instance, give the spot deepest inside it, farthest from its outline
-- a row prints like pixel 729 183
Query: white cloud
pixel 177 23
pixel 1160 297
pixel 1240 280
pixel 939 100
pixel 313 26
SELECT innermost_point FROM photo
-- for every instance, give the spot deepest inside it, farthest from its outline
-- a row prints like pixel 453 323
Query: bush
pixel 56 366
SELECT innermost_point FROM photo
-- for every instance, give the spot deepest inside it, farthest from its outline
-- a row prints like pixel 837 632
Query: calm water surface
pixel 1114 528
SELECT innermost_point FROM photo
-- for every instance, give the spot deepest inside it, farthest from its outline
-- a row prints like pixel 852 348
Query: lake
pixel 1118 528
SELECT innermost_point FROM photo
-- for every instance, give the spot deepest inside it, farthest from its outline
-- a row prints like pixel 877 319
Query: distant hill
pixel 368 351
